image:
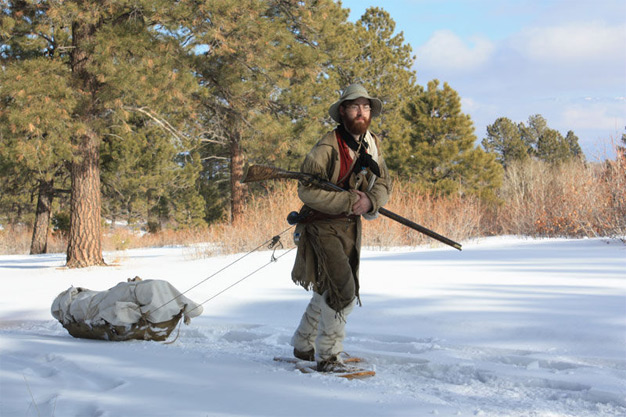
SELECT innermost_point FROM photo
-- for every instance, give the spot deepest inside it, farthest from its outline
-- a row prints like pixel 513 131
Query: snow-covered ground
pixel 508 327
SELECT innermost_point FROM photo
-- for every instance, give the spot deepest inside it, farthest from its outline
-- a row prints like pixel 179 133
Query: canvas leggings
pixel 322 326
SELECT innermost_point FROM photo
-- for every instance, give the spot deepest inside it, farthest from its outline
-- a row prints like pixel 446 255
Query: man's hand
pixel 363 203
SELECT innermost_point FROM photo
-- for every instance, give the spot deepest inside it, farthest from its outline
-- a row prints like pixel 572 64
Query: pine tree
pixel 16 192
pixel 291 60
pixel 443 156
pixel 111 60
pixel 547 144
pixel 142 175
pixel 551 147
pixel 537 125
pixel 572 143
pixel 384 62
pixel 35 120
pixel 505 140
pixel 262 62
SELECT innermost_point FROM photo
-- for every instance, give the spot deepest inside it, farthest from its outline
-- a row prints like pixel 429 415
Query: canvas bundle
pixel 137 309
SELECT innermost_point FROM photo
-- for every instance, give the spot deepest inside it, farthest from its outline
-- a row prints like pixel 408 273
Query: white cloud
pixel 573 42
pixel 605 116
pixel 468 104
pixel 446 51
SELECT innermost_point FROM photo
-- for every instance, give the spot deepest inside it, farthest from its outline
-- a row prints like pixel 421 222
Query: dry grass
pixel 121 238
pixel 454 217
pixel 17 239
pixel 571 200
pixel 264 217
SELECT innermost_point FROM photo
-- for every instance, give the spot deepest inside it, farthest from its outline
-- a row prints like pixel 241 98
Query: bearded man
pixel 329 237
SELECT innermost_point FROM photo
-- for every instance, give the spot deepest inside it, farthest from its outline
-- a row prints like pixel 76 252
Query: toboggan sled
pixel 137 309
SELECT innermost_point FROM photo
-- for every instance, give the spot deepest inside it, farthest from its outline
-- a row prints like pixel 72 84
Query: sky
pixel 562 59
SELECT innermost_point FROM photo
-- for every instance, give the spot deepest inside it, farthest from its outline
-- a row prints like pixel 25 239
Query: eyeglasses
pixel 353 108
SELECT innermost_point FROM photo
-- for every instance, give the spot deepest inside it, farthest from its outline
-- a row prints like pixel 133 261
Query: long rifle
pixel 256 173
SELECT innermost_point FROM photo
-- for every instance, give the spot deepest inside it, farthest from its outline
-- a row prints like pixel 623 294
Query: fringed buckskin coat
pixel 312 268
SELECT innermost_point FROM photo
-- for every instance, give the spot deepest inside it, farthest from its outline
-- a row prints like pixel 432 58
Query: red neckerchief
pixel 345 160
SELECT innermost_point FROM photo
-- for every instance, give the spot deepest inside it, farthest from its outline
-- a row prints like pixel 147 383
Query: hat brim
pixel 376 104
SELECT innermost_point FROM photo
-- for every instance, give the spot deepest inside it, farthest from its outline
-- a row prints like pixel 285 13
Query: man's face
pixel 356 115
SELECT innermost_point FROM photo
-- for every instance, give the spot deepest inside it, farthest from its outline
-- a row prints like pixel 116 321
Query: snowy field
pixel 508 327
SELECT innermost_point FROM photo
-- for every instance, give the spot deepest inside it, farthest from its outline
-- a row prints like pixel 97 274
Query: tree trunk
pixel 237 189
pixel 39 242
pixel 84 243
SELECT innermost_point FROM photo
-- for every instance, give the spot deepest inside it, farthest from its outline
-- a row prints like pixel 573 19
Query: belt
pixel 318 215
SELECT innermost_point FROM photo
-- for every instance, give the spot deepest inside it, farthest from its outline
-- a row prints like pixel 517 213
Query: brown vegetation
pixel 536 199
pixel 568 200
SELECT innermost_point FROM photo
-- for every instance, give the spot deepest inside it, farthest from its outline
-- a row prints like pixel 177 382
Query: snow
pixel 507 327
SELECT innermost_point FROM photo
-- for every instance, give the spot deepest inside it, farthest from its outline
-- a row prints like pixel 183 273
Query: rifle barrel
pixel 419 228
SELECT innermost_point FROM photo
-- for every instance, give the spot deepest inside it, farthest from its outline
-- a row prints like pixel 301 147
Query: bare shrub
pixel 57 242
pixel 455 217
pixel 614 204
pixel 16 239
pixel 574 199
pixel 571 200
pixel 264 216
pixel 121 238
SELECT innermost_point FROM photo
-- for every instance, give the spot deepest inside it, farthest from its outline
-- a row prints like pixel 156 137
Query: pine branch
pixel 164 124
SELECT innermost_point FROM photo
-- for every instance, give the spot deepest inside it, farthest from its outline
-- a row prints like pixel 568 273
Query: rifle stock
pixel 255 173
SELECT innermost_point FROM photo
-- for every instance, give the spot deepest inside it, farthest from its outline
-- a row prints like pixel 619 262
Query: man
pixel 329 244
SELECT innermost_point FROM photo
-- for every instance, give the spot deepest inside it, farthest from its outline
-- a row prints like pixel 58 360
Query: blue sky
pixel 563 59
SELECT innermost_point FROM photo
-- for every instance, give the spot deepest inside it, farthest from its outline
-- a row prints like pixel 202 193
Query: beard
pixel 358 125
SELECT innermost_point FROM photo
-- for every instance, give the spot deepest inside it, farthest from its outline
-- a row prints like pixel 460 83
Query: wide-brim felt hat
pixel 353 92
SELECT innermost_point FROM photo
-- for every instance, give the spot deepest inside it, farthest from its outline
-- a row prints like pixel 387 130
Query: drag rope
pixel 271 244
pixel 274 259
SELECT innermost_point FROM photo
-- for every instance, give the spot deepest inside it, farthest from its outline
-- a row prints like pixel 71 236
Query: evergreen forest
pixel 146 112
